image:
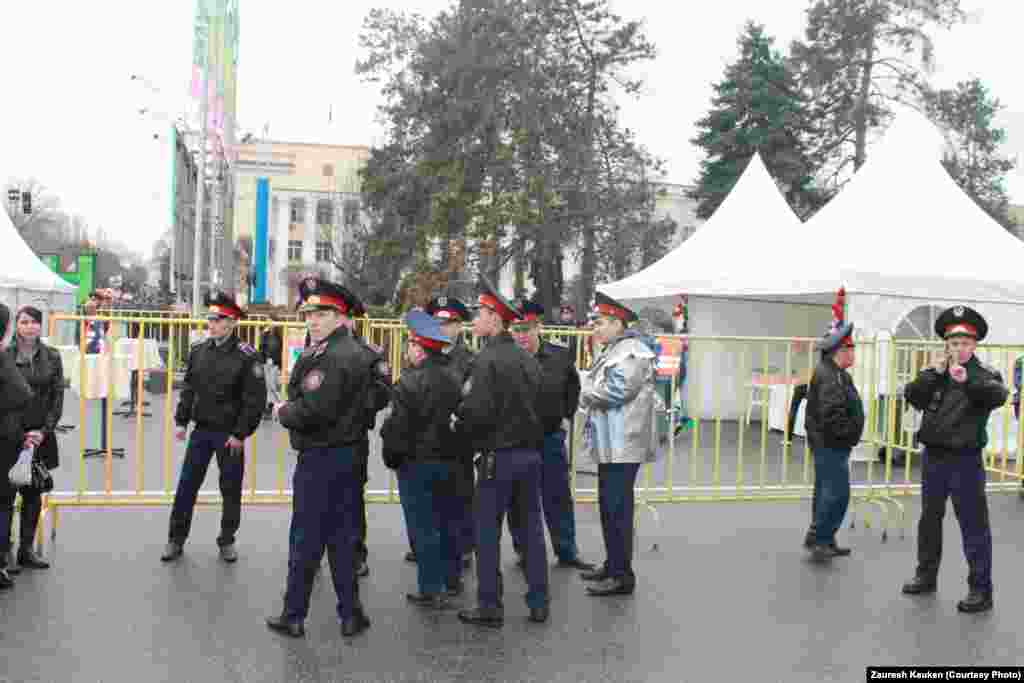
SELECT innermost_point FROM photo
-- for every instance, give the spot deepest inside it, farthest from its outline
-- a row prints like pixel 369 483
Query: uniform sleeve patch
pixel 246 349
pixel 382 369
pixel 313 380
pixel 379 350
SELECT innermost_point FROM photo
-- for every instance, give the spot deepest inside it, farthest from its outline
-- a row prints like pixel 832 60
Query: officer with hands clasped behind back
pixel 326 420
pixel 957 394
pixel 559 397
pixel 224 395
pixel 499 417
pixel 420 446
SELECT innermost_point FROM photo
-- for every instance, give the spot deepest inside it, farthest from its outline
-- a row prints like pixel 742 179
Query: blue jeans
pixel 617 500
pixel 325 514
pixel 517 473
pixel 959 475
pixel 831 492
pixel 556 498
pixel 429 503
pixel 202 446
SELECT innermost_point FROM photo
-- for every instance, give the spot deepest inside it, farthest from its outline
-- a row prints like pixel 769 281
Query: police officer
pixel 326 419
pixel 499 417
pixel 451 313
pixel 957 394
pixel 224 395
pixel 559 396
pixel 420 445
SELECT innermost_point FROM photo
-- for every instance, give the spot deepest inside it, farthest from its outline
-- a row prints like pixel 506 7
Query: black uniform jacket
pixel 15 396
pixel 224 388
pixel 419 426
pixel 380 374
pixel 560 385
pixel 327 394
pixel 956 414
pixel 45 376
pixel 499 406
pixel 461 359
pixel 835 414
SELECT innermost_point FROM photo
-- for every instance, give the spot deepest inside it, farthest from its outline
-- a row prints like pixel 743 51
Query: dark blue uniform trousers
pixel 831 492
pixel 616 499
pixel 325 514
pixel 427 491
pixel 556 499
pixel 202 446
pixel 960 475
pixel 517 473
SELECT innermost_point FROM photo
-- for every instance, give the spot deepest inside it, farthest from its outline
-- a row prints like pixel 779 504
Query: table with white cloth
pixel 779 398
pixel 100 369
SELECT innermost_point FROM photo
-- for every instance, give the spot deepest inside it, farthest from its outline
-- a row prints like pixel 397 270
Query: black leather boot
pixel 920 585
pixel 281 624
pixel 976 601
pixel 483 616
pixel 355 624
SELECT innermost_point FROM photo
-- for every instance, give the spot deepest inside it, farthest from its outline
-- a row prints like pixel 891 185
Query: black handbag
pixel 42 480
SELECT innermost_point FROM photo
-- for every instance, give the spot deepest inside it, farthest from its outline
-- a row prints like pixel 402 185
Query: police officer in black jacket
pixel 224 395
pixel 15 396
pixel 835 423
pixel 326 419
pixel 957 394
pixel 451 313
pixel 499 417
pixel 559 397
pixel 420 446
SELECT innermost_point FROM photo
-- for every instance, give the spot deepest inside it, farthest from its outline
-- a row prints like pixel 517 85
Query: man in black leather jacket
pixel 957 394
pixel 834 424
pixel 15 396
pixel 420 446
pixel 498 416
pixel 224 396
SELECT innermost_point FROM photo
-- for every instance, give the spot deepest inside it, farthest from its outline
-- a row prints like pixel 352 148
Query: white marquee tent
pixel 25 280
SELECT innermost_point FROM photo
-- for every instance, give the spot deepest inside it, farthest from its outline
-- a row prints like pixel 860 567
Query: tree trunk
pixel 861 114
pixel 588 266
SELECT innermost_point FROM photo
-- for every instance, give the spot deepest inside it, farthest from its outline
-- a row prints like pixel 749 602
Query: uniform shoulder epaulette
pixel 196 344
pixel 989 368
pixel 246 349
pixel 379 350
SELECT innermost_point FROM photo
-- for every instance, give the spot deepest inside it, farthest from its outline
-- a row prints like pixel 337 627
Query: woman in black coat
pixel 14 398
pixel 41 367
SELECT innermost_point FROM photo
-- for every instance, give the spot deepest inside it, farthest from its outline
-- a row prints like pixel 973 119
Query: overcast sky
pixel 70 111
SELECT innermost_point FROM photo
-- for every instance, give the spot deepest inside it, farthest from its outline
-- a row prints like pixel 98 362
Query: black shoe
pixel 294 629
pixel 597 574
pixel 976 601
pixel 611 586
pixel 172 551
pixel 575 563
pixel 5 580
pixel 455 589
pixel 839 551
pixel 483 616
pixel 809 540
pixel 920 586
pixel 432 600
pixel 30 560
pixel 228 553
pixel 410 557
pixel 821 554
pixel 362 569
pixel 355 624
pixel 12 565
pixel 539 615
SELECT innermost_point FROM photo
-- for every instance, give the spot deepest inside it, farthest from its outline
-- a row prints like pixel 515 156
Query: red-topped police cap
pixel 532 312
pixel 490 298
pixel 425 330
pixel 961 321
pixel 223 305
pixel 316 294
pixel 607 306
pixel 448 309
pixel 840 330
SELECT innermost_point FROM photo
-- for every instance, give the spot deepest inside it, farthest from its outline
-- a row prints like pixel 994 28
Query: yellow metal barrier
pixel 736 447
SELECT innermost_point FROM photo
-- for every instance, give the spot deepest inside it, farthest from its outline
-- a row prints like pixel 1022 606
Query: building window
pixel 328 170
pixel 324 212
pixel 298 206
pixel 272 250
pixel 323 252
pixel 351 210
pixel 294 250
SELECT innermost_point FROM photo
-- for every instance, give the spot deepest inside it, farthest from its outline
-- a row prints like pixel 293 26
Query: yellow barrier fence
pixel 727 439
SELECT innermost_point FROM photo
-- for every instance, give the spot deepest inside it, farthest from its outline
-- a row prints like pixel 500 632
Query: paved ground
pixel 727 596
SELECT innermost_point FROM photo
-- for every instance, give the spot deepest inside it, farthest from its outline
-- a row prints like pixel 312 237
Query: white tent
pixel 25 280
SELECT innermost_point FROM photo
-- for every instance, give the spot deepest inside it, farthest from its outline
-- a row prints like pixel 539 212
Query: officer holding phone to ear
pixel 957 393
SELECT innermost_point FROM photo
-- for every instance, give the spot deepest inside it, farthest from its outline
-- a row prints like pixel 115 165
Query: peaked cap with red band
pixel 532 312
pixel 425 330
pixel 840 332
pixel 607 306
pixel 221 304
pixel 448 309
pixel 316 294
pixel 961 321
pixel 490 298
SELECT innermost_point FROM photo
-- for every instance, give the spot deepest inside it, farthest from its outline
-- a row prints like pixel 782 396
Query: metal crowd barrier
pixel 734 446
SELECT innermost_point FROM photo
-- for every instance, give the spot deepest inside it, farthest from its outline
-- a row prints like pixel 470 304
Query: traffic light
pixel 26 203
pixel 12 195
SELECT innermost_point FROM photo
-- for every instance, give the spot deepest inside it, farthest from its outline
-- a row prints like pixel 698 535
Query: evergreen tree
pixel 757 106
